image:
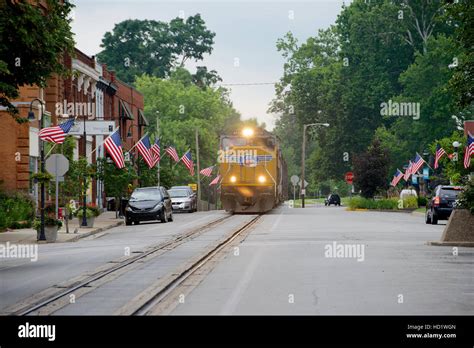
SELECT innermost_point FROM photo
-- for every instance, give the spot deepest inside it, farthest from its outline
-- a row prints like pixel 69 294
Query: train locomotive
pixel 254 173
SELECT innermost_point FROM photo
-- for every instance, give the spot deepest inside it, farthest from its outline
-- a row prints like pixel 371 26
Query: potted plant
pixel 51 227
pixel 92 211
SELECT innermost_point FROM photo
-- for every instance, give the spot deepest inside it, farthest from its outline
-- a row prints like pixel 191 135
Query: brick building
pixel 92 92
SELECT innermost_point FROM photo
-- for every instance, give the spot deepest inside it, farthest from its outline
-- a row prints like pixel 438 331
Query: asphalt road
pixel 381 265
pixel 283 267
pixel 21 278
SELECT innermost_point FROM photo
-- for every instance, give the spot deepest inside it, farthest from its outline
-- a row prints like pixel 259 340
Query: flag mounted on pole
pixel 207 171
pixel 396 177
pixel 439 153
pixel 215 180
pixel 171 151
pixel 407 174
pixel 144 148
pixel 56 134
pixel 113 145
pixel 417 164
pixel 156 149
pixel 469 150
pixel 188 162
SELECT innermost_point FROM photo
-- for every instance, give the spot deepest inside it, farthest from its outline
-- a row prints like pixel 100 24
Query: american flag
pixel 469 150
pixel 56 134
pixel 439 153
pixel 156 150
pixel 144 148
pixel 407 174
pixel 113 145
pixel 215 180
pixel 207 171
pixel 396 177
pixel 417 164
pixel 170 150
pixel 188 162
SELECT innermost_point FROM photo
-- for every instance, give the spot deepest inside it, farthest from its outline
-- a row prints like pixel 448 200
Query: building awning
pixel 125 112
pixel 142 121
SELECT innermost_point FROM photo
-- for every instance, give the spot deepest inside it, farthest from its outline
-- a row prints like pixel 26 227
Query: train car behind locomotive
pixel 254 174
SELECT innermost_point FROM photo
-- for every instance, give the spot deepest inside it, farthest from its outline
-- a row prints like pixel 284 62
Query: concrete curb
pixel 91 233
pixel 405 211
pixel 451 243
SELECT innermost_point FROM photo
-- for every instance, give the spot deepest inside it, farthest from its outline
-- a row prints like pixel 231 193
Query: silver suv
pixel 183 198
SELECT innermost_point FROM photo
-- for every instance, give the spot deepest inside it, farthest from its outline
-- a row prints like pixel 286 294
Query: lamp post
pixel 31 116
pixel 129 136
pixel 303 156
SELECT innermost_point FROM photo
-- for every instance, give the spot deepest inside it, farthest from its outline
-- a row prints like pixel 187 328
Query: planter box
pixel 50 232
pixel 90 222
pixel 460 227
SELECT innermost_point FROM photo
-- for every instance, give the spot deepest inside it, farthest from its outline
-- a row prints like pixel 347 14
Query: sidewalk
pixel 104 222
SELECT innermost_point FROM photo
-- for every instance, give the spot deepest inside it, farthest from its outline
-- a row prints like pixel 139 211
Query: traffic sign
pixel 57 165
pixel 194 187
pixel 305 184
pixel 294 180
pixel 349 177
pixel 93 128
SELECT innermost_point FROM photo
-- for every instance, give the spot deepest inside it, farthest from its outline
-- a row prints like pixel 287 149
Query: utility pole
pixel 198 169
pixel 303 155
pixel 158 137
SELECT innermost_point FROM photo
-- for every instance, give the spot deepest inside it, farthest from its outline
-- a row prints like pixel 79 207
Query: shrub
pixel 48 221
pixel 365 203
pixel 90 212
pixel 15 210
pixel 466 197
pixel 422 201
pixel 410 202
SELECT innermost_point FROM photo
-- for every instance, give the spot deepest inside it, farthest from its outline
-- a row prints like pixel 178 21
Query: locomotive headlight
pixel 233 178
pixel 262 179
pixel 247 132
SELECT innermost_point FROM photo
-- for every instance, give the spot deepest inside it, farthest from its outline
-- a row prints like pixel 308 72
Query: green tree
pixel 32 45
pixel 116 181
pixel 137 47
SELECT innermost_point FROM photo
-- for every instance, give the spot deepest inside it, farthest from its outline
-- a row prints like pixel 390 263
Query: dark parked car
pixel 442 203
pixel 183 198
pixel 147 204
pixel 333 199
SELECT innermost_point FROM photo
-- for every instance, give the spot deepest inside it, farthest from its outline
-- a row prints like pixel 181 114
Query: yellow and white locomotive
pixel 254 173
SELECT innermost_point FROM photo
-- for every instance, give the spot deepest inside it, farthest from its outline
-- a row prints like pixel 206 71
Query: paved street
pixel 282 267
pixel 284 258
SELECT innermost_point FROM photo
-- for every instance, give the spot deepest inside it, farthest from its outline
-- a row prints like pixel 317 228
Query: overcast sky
pixel 245 31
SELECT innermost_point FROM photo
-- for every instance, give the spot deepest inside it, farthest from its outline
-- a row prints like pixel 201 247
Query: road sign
pixel 193 186
pixel 305 184
pixel 349 177
pixel 57 164
pixel 294 180
pixel 93 128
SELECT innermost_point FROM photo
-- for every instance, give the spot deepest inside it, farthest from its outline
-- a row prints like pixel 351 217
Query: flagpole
pixel 158 136
pixel 50 150
pixel 136 143
pixel 97 146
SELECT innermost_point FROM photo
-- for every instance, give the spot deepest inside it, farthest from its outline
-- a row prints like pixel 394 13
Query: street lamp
pixel 31 116
pixel 303 155
pixel 456 144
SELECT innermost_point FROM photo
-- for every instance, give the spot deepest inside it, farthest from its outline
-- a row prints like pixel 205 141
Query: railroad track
pixel 164 246
pixel 148 305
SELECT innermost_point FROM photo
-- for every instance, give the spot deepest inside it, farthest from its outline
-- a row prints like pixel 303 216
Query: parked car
pixel 183 198
pixel 440 206
pixel 148 204
pixel 333 199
